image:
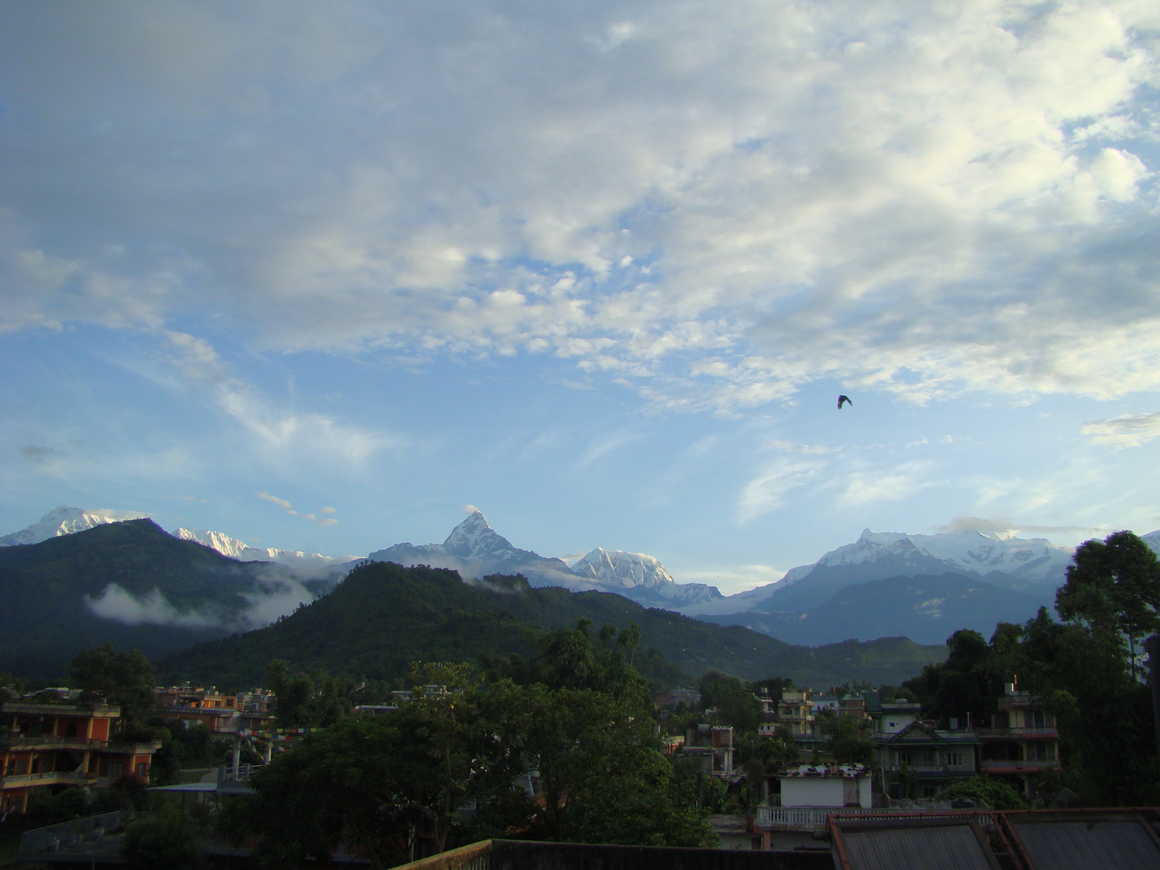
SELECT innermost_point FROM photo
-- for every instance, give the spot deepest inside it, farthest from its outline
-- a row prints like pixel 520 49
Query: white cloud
pixel 299 434
pixel 1129 430
pixel 880 193
pixel 863 487
pixel 604 446
pixel 774 483
pixel 273 499
pixel 153 608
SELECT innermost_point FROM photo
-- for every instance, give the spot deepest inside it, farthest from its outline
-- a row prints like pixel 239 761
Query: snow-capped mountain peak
pixel 65 521
pixel 473 538
pixel 619 568
pixel 223 543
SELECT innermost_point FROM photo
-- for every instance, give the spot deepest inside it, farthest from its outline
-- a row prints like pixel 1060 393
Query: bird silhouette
pixel 844 400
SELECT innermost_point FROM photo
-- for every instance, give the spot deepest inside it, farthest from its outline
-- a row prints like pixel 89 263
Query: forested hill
pixel 384 616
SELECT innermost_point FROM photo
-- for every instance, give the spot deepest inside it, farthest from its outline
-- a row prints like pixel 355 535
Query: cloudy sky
pixel 320 275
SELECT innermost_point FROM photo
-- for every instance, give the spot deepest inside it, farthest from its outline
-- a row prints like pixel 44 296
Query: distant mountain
pixel 927 609
pixel 383 616
pixel 475 550
pixel 1034 567
pixel 134 585
pixel 302 564
pixel 68 520
pixel 642 578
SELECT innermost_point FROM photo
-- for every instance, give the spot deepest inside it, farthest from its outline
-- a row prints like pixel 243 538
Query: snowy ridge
pixel 298 561
pixel 619 568
pixel 474 538
pixel 65 521
pixel 978 553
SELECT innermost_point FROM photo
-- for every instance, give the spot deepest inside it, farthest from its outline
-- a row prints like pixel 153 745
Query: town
pixel 795 774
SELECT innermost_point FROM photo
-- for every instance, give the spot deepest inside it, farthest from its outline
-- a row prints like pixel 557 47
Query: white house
pixel 826 785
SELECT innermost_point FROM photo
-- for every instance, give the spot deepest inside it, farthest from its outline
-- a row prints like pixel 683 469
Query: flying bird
pixel 844 400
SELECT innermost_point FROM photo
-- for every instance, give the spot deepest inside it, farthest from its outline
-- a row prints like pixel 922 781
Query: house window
pixel 1040 752
pixel 953 759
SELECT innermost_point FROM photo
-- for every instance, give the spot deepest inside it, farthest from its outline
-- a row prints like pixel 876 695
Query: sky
pixel 323 276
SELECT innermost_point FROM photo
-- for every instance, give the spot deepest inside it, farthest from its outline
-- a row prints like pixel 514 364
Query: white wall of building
pixel 823 791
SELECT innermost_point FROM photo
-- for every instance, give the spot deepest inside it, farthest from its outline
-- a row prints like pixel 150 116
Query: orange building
pixel 53 746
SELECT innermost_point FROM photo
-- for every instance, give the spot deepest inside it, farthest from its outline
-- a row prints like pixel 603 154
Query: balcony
pixel 22 740
pixel 1001 765
pixel 1017 733
pixel 817 818
pixel 48 777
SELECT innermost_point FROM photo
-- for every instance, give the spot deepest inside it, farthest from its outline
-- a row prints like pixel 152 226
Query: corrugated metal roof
pixel 947 847
pixel 1088 844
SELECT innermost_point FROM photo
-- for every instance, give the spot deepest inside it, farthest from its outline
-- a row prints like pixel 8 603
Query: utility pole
pixel 1152 644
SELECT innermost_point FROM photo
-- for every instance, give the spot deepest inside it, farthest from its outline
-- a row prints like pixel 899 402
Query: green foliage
pixel 305 701
pixel 848 738
pixel 384 616
pixel 733 700
pixel 164 839
pixel 45 620
pixel 121 678
pixel 1113 588
pixel 371 783
pixel 985 792
pixel 968 682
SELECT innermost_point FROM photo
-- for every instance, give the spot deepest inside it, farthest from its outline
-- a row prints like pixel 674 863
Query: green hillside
pixel 384 616
pixel 46 619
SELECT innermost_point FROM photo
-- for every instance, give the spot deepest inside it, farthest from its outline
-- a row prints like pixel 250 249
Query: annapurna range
pixel 883 584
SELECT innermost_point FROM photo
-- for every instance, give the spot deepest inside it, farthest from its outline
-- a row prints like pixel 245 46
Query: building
pixel 795 713
pixel 1022 742
pixel 826 785
pixel 221 713
pixel 894 716
pixel 713 744
pixel 919 760
pixel 53 746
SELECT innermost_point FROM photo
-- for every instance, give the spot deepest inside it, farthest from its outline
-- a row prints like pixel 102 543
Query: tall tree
pixel 1113 587
pixel 121 678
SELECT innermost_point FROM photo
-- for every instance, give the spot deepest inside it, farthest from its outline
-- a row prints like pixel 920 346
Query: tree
pixel 1113 588
pixel 164 839
pixel 305 701
pixel 967 683
pixel 733 700
pixel 848 740
pixel 121 678
pixel 986 792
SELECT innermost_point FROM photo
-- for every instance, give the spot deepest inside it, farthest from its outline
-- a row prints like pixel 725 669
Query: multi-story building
pixel 918 760
pixel 1022 741
pixel 52 746
pixel 220 712
pixel 714 745
pixel 795 713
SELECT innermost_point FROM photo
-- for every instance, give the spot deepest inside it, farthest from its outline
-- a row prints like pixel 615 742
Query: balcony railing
pixel 47 777
pixel 990 764
pixel 816 818
pixel 1017 733
pixel 21 740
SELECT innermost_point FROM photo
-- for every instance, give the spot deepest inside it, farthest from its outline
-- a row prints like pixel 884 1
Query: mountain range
pixel 382 616
pixel 884 584
pixel 194 611
pixel 67 520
